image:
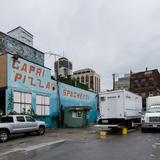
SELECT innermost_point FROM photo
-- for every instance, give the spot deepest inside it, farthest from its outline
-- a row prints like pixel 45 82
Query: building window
pixel 82 79
pixel 143 81
pixel 91 82
pixel 78 79
pixel 136 81
pixel 42 105
pixel 22 102
pixel 103 99
pixel 151 93
pixel 151 79
pixel 77 114
pixel 87 78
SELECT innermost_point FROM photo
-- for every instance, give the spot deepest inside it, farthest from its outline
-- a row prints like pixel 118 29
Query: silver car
pixel 17 124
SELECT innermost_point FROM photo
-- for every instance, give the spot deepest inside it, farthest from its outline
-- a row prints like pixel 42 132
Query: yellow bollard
pixel 103 134
pixel 124 131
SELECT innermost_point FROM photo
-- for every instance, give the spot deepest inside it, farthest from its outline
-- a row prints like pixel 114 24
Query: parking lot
pixel 67 144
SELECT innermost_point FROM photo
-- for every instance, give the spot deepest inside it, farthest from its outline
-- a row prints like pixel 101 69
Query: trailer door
pixel 103 107
pixel 112 106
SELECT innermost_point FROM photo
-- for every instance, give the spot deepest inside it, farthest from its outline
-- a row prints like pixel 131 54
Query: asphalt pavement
pixel 85 144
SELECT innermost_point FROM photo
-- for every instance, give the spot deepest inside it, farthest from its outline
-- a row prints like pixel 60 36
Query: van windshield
pixel 153 110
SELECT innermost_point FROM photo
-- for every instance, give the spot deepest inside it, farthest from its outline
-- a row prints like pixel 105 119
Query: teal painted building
pixel 26 86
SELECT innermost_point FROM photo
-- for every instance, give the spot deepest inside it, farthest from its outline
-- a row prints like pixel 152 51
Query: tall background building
pixel 89 77
pixel 123 82
pixel 63 67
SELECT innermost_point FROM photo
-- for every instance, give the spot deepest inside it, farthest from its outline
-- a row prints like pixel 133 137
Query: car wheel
pixel 3 136
pixel 41 130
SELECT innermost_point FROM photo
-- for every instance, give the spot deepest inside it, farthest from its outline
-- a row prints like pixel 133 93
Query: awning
pixel 79 108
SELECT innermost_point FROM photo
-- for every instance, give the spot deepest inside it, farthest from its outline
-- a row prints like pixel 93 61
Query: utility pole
pixel 114 75
pixel 56 69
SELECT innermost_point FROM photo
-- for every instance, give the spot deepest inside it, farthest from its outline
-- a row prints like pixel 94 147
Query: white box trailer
pixel 119 108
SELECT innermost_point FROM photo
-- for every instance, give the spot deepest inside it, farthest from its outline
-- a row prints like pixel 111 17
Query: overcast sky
pixel 110 36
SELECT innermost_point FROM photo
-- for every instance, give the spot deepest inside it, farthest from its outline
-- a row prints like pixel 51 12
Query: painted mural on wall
pixel 32 76
pixel 72 96
pixel 35 79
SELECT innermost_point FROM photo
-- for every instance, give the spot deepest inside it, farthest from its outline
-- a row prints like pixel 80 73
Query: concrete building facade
pixel 123 83
pixel 89 77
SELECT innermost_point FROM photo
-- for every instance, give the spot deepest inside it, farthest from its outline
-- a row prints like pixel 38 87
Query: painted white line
pixel 31 148
pixel 157 144
pixel 34 147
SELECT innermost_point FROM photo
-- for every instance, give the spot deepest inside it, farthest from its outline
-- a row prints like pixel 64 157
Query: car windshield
pixel 153 110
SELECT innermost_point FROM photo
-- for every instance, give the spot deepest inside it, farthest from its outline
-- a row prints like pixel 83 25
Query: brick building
pixel 146 83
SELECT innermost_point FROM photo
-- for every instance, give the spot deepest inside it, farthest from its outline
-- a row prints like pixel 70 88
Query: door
pixel 31 124
pixel 112 107
pixel 103 107
pixel 20 125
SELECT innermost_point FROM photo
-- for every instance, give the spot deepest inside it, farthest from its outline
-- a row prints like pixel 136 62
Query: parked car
pixel 17 124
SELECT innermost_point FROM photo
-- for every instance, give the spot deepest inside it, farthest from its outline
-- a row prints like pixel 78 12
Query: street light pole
pixel 58 88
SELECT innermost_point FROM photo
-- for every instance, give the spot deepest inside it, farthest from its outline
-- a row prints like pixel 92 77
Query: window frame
pixel 75 114
pixel 43 106
pixel 7 121
pixel 30 118
pixel 20 117
pixel 23 101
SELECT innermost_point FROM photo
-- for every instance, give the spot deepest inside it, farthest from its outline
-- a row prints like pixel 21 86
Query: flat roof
pixel 19 27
